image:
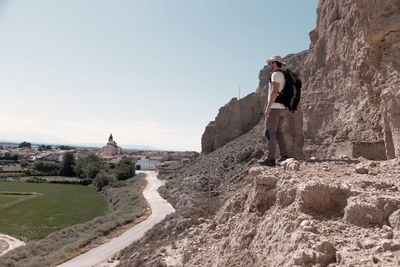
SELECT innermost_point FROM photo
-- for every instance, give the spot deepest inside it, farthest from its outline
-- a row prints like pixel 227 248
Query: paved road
pixel 160 208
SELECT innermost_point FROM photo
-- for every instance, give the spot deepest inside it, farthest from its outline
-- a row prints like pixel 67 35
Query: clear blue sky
pixel 152 72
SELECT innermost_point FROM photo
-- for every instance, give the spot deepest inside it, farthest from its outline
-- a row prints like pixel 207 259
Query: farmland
pixel 30 211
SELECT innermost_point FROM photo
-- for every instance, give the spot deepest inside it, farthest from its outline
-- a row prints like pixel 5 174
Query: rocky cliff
pixel 234 119
pixel 351 79
pixel 351 92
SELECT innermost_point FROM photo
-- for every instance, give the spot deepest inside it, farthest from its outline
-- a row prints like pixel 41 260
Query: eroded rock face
pixel 323 199
pixel 351 99
pixel 366 212
pixel 234 119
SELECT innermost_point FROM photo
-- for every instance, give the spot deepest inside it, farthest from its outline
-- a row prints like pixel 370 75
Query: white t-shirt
pixel 277 76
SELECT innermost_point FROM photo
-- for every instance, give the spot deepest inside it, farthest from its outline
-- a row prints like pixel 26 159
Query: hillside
pixel 327 212
pixel 338 210
pixel 341 206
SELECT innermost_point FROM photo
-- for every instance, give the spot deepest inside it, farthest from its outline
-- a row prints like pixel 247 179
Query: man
pixel 275 114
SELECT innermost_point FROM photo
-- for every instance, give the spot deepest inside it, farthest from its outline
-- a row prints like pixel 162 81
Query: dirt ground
pixel 3 245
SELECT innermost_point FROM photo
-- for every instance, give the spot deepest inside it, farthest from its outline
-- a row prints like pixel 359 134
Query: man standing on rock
pixel 275 114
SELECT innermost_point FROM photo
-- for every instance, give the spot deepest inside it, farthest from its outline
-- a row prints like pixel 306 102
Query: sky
pixel 151 72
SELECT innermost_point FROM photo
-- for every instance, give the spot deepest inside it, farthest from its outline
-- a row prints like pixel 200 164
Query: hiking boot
pixel 282 158
pixel 267 162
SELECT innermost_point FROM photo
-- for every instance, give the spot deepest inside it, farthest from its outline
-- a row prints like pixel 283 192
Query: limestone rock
pixel 267 181
pixel 234 119
pixel 291 164
pixel 351 93
pixel 360 169
pixel 368 244
pixel 326 253
pixel 323 198
pixel 394 220
pixel 368 212
pixel 254 171
pixel 344 157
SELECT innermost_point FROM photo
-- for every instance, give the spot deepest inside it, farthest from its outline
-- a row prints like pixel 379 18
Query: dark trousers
pixel 274 132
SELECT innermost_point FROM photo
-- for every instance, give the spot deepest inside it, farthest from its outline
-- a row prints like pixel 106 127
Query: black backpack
pixel 290 94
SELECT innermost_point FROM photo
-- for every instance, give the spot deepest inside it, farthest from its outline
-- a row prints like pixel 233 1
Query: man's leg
pixel 272 127
pixel 279 133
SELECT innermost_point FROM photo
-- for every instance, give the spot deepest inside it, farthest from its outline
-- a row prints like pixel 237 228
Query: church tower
pixel 111 148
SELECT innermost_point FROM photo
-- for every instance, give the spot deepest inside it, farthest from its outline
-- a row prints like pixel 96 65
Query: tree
pixel 67 165
pixel 102 179
pixel 25 144
pixel 125 169
pixel 8 156
pixel 78 168
pixel 92 169
pixel 24 164
pixel 89 167
pixel 47 167
pixel 44 147
pixel 62 147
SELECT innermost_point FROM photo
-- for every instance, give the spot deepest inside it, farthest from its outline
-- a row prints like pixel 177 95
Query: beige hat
pixel 275 58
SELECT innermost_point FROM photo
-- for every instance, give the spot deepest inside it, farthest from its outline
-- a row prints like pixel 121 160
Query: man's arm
pixel 274 95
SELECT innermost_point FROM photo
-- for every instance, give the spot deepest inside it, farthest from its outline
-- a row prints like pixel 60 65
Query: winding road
pixel 160 208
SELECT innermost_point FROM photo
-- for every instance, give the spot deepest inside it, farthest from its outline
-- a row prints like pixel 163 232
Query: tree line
pixel 90 167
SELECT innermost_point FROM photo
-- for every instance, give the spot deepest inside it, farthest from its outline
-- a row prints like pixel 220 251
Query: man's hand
pixel 266 113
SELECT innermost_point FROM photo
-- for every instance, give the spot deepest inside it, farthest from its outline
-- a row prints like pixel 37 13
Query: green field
pixel 30 211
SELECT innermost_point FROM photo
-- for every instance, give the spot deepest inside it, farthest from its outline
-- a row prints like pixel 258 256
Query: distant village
pixel 111 153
